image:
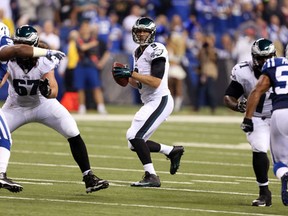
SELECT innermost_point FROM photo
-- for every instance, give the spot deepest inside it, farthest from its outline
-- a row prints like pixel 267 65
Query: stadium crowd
pixel 228 27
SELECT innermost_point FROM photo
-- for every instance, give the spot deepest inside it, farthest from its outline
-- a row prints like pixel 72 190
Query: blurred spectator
pixel 47 10
pixel 115 37
pixel 93 56
pixel 27 12
pixel 128 22
pixel 162 30
pixel 7 21
pixel 49 36
pixel 103 22
pixel 208 74
pixel 84 10
pixel 63 16
pixel 176 51
pixel 242 49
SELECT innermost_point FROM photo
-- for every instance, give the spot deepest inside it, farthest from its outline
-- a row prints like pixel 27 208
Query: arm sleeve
pixel 235 90
pixel 158 67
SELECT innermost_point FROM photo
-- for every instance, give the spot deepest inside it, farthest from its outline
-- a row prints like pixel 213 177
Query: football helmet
pixel 4 30
pixel 144 24
pixel 26 34
pixel 262 49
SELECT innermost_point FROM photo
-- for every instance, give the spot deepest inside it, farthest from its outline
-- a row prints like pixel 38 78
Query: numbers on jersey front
pixel 22 87
pixel 281 76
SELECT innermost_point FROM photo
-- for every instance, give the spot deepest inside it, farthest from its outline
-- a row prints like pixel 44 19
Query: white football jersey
pixel 143 63
pixel 23 86
pixel 243 73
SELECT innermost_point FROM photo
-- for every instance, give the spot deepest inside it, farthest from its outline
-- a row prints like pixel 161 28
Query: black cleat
pixel 263 200
pixel 175 157
pixel 93 183
pixel 149 180
pixel 284 190
pixel 9 184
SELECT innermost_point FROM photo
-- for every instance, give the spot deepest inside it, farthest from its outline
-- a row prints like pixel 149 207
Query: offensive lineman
pixel 150 76
pixel 32 98
pixel 244 77
pixel 8 51
pixel 274 74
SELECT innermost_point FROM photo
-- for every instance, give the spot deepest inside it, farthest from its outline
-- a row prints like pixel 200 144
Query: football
pixel 120 81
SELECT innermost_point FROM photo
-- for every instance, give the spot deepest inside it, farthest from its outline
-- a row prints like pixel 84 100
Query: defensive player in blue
pixel 275 75
pixel 8 51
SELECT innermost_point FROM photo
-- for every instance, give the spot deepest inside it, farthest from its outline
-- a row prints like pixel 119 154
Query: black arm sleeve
pixel 235 90
pixel 158 67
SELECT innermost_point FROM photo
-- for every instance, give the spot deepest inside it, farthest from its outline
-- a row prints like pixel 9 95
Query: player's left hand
pixel 44 87
pixel 247 125
pixel 241 105
pixel 58 54
pixel 121 72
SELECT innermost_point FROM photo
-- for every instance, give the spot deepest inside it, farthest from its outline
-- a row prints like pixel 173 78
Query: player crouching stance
pixel 150 76
pixel 32 98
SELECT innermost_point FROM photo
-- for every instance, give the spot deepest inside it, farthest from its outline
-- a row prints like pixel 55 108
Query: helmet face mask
pixel 144 24
pixel 26 35
pixel 262 49
pixel 4 30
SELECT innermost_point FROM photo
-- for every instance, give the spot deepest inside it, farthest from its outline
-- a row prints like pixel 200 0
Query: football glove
pixel 121 72
pixel 247 125
pixel 58 54
pixel 241 105
pixel 44 87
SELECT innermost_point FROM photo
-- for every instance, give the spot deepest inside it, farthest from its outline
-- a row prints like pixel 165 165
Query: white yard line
pixel 136 205
pixel 172 118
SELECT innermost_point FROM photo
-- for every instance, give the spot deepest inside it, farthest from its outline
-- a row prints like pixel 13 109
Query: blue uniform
pixel 5 135
pixel 277 71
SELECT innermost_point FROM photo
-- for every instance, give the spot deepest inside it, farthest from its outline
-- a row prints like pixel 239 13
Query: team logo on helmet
pixel 144 24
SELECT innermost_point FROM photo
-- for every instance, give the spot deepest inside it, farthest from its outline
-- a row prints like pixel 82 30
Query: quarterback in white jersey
pixel 244 78
pixel 32 98
pixel 8 51
pixel 150 76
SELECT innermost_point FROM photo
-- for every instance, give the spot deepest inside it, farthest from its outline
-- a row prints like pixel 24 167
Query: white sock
pixel 82 109
pixel 4 159
pixel 165 149
pixel 178 103
pixel 149 168
pixel 281 171
pixel 101 108
pixel 86 172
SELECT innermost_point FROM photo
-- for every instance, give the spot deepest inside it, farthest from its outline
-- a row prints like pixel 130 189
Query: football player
pixel 150 76
pixel 244 77
pixel 274 74
pixel 32 98
pixel 7 51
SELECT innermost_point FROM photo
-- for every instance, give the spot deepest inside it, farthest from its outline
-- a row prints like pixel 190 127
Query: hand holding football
pixel 121 73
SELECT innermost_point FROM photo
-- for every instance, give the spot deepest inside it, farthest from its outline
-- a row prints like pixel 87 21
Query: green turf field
pixel 215 176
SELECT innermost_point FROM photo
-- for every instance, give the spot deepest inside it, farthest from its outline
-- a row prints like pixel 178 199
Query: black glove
pixel 241 105
pixel 247 125
pixel 121 72
pixel 44 87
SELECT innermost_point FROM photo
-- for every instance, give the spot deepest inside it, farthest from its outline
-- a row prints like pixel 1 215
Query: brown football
pixel 120 81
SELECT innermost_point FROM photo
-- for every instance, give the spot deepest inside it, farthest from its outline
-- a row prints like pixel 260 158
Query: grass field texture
pixel 215 176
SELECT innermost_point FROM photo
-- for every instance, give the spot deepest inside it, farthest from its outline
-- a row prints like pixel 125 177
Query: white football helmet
pixel 4 30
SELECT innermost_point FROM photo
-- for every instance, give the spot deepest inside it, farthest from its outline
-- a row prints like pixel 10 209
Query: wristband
pixel 37 52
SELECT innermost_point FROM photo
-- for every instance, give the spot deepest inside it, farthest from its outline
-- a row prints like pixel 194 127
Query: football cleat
pixel 263 200
pixel 93 183
pixel 175 157
pixel 9 184
pixel 284 192
pixel 149 180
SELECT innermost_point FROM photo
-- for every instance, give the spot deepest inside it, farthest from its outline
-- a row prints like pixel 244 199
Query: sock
pixel 101 108
pixel 153 146
pixel 4 159
pixel 281 171
pixel 142 150
pixel 149 168
pixel 165 149
pixel 79 152
pixel 261 167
